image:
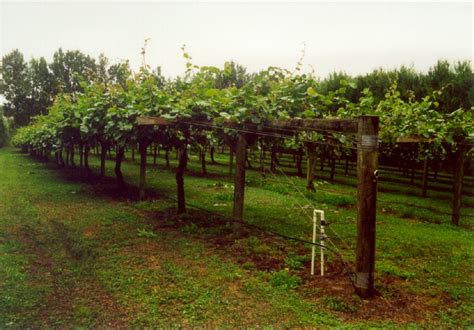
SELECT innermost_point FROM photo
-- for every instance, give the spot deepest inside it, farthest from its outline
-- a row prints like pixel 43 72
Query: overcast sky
pixel 355 37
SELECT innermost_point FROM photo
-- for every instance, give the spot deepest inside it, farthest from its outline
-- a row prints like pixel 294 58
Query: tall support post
pixel 182 164
pixel 311 164
pixel 367 162
pixel 239 178
pixel 458 174
pixel 424 185
pixel 143 156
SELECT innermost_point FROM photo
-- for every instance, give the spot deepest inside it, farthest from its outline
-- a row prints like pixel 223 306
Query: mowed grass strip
pixel 106 263
pixel 72 258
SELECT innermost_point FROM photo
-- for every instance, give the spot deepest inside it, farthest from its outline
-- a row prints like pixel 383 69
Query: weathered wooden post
pixel 182 163
pixel 143 156
pixel 133 146
pixel 231 161
pixel 311 164
pixel 424 185
pixel 239 178
pixel 367 162
pixel 458 174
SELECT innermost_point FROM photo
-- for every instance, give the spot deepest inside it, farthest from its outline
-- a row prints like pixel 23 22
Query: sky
pixel 355 37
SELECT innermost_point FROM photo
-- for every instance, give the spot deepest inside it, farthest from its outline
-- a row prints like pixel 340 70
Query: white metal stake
pixel 322 238
pixel 313 249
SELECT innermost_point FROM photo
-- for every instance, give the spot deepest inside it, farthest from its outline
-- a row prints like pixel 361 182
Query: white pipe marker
pixel 322 237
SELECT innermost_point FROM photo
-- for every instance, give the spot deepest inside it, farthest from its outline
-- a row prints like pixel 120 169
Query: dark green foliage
pixel 68 68
pixel 455 79
pixel 3 132
pixel 15 87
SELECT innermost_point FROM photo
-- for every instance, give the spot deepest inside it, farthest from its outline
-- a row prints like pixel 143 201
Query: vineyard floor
pixel 76 253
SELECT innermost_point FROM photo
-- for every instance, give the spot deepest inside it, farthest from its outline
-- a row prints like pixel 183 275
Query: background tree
pixel 69 68
pixel 4 129
pixel 233 75
pixel 15 87
pixel 42 86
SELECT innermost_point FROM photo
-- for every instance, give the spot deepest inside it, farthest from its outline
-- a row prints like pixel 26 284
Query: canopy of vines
pixel 105 113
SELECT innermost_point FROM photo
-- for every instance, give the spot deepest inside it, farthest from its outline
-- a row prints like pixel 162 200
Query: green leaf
pixel 311 92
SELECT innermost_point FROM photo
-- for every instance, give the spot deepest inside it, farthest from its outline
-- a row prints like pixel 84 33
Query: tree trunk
pixel 262 158
pixel 143 155
pixel 412 177
pixel 211 151
pixel 424 185
pixel 118 171
pixel 71 158
pixel 458 173
pixel 247 160
pixel 311 165
pixel 167 158
pixel 231 161
pixel 81 155
pixel 182 163
pixel 299 161
pixel 239 179
pixel 203 159
pixel 86 161
pixel 133 146
pixel 333 167
pixel 68 155
pixel 273 160
pixel 61 160
pixel 103 155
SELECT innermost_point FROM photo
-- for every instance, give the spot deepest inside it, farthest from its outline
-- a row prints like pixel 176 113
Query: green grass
pixel 72 254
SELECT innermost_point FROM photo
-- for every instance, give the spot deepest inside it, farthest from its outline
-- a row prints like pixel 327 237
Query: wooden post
pixel 458 174
pixel 103 155
pixel 71 157
pixel 239 178
pixel 182 163
pixel 311 164
pixel 202 151
pixel 231 160
pixel 86 161
pixel 367 159
pixel 299 161
pixel 155 148
pixel 133 146
pixel 118 164
pixel 262 157
pixel 81 155
pixel 424 186
pixel 143 155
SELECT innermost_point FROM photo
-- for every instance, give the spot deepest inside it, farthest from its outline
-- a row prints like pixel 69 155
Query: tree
pixel 4 129
pixel 69 68
pixel 42 85
pixel 119 73
pixel 233 75
pixel 15 87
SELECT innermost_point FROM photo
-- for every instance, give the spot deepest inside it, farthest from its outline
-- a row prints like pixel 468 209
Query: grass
pixel 74 254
